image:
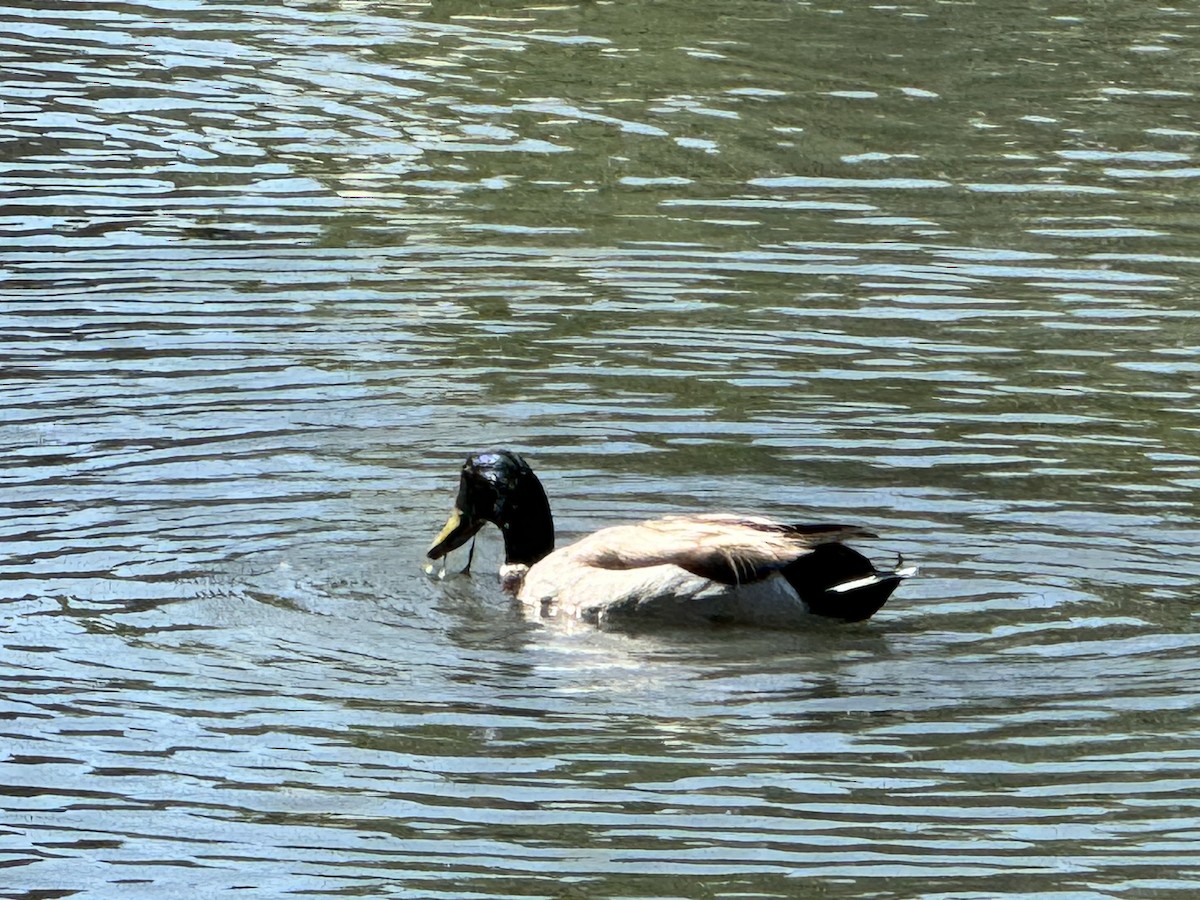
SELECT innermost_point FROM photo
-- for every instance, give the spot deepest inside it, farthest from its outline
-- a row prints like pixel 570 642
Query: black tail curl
pixel 816 576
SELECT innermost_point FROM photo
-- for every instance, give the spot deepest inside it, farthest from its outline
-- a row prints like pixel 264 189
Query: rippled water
pixel 267 273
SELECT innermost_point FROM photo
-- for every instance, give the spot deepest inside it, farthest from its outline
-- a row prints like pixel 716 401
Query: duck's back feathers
pixel 725 548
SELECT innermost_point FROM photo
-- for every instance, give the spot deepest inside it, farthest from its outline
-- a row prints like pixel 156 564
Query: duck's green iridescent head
pixel 498 486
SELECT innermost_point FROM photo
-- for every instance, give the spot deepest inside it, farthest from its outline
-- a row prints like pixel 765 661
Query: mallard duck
pixel 719 568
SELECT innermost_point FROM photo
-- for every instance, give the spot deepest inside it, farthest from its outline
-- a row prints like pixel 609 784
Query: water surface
pixel 269 272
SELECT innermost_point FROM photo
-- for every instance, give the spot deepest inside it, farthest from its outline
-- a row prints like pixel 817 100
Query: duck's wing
pixel 725 548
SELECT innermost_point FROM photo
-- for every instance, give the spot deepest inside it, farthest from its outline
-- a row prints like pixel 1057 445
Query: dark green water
pixel 268 273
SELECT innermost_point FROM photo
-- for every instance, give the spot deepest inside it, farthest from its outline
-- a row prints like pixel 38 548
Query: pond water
pixel 269 272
